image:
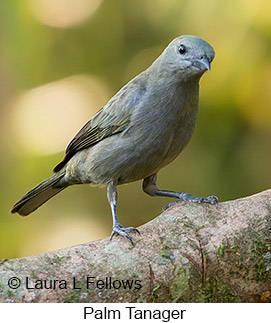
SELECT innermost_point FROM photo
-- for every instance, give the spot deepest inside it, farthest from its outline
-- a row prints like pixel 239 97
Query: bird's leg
pixel 118 229
pixel 149 186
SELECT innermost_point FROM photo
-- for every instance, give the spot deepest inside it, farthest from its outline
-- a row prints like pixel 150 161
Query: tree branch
pixel 190 253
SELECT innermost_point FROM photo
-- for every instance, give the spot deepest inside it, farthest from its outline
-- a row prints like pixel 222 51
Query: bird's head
pixel 187 57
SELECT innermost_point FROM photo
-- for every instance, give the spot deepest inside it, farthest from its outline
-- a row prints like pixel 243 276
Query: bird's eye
pixel 182 49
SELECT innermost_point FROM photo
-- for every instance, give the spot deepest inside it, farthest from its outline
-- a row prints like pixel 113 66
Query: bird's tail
pixel 38 195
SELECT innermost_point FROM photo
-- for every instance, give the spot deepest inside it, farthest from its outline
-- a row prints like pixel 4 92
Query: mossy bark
pixel 190 253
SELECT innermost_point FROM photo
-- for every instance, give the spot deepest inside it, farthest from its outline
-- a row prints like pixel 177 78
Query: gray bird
pixel 143 128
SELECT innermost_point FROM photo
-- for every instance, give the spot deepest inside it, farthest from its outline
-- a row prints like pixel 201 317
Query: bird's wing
pixel 110 120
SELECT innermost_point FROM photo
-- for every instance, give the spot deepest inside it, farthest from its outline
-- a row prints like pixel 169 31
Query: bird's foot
pixel 186 197
pixel 118 229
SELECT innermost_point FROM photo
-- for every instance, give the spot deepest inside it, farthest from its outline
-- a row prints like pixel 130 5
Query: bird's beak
pixel 202 63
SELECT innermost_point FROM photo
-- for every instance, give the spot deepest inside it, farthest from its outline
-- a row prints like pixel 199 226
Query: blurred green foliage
pixel 229 154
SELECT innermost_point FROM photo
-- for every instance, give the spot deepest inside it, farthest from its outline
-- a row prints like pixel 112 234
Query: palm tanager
pixel 142 128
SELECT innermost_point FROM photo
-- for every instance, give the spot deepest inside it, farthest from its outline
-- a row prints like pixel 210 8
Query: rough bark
pixel 190 253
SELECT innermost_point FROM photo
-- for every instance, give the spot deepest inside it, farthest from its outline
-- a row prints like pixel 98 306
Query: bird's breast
pixel 173 128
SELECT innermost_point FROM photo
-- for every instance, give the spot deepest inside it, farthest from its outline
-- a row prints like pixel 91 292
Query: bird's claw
pixel 213 199
pixel 185 197
pixel 118 229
